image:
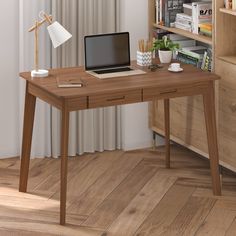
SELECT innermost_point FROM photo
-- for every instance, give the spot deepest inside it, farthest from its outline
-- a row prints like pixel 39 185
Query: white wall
pixel 9 61
pixel 135 131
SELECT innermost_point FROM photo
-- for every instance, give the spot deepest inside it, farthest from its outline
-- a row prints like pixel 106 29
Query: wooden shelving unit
pixel 185 33
pixel 188 130
pixel 229 59
pixel 228 11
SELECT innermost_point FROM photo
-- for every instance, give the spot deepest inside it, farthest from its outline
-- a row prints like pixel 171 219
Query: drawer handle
pixel 115 99
pixel 233 107
pixel 166 92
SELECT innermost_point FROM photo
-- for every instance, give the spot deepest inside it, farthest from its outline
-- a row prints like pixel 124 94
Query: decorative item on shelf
pixel 233 4
pixel 58 35
pixel 144 54
pixel 228 4
pixel 165 48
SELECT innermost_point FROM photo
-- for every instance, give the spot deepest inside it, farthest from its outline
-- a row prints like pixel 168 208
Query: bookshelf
pixel 188 130
pixel 228 11
pixel 229 59
pixel 200 38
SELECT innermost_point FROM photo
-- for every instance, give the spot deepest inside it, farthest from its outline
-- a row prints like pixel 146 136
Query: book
pixel 207 60
pixel 185 43
pixel 183 26
pixel 69 81
pixel 185 58
pixel 201 13
pixel 196 51
pixel 173 37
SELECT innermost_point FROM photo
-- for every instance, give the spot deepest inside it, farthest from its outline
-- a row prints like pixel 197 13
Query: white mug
pixel 175 66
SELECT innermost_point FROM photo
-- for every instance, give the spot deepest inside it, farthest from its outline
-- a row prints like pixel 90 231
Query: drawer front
pixel 162 93
pixel 118 98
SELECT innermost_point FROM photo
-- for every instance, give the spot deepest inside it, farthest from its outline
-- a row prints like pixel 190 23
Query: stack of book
pixel 166 11
pixel 192 55
pixel 205 29
pixel 195 13
pixel 201 13
pixel 183 21
pixel 207 60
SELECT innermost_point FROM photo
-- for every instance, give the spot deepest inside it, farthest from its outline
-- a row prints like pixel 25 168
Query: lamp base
pixel 39 73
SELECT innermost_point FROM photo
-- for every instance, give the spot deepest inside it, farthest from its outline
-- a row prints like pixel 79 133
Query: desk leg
pixel 29 112
pixel 167 130
pixel 209 109
pixel 64 160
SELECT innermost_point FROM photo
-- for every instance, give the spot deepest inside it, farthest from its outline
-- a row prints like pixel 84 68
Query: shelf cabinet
pixel 187 117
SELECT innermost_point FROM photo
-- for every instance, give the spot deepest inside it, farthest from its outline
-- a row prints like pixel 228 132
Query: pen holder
pixel 144 58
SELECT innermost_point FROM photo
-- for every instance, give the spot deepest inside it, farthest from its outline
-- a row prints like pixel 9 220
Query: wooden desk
pixel 161 84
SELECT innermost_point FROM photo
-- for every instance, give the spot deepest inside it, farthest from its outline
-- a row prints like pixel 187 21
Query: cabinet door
pixel 227 113
pixel 187 122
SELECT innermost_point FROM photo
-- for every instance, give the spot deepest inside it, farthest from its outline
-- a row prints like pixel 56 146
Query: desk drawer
pixel 118 98
pixel 162 93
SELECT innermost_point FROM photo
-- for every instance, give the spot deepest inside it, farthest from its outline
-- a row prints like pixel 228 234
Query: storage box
pixel 144 58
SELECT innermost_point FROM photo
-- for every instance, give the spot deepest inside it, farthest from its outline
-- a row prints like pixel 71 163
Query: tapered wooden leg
pixel 29 112
pixel 64 160
pixel 209 108
pixel 167 130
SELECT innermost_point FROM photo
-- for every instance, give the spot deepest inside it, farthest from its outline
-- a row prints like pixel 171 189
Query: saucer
pixel 179 70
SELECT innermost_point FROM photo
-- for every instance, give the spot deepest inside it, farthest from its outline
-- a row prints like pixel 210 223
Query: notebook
pixel 108 55
pixel 71 81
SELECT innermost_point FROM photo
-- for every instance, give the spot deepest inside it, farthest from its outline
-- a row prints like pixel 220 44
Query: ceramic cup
pixel 175 66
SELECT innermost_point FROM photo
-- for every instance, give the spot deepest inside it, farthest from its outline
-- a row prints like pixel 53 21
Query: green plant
pixel 164 44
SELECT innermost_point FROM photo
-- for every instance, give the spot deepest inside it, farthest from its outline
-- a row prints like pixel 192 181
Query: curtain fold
pixel 94 129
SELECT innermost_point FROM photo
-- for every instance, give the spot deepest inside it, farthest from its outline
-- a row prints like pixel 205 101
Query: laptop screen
pixel 107 51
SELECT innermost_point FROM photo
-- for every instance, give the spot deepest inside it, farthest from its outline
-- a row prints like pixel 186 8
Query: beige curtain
pixel 96 129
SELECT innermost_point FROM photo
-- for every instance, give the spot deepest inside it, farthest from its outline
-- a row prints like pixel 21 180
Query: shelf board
pixel 185 33
pixel 228 11
pixel 230 59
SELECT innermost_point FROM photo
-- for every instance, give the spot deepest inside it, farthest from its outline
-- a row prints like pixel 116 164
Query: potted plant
pixel 165 48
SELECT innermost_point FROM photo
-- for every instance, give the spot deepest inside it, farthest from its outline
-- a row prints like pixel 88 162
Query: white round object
pixel 174 70
pixel 39 73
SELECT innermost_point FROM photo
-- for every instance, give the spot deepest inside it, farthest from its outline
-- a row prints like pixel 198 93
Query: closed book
pixel 69 81
pixel 187 59
pixel 196 51
pixel 183 26
pixel 185 43
pixel 176 37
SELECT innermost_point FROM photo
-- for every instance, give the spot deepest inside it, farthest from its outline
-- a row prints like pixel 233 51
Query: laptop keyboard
pixel 113 70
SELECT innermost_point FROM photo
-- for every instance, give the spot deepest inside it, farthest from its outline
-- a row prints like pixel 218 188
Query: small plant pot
pixel 165 56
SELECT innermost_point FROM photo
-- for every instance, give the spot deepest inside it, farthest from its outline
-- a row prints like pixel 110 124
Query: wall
pixel 135 131
pixel 9 54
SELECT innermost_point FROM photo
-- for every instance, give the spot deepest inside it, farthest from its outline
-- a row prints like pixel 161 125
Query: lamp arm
pixel 48 18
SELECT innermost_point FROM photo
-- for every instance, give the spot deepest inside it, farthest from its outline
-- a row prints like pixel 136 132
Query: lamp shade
pixel 58 34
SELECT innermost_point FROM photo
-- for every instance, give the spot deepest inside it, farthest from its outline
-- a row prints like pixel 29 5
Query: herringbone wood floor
pixel 118 193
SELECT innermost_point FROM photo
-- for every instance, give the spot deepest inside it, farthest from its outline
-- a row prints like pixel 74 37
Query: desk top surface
pixel 191 76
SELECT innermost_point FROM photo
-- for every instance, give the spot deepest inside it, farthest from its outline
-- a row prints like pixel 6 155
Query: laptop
pixel 108 55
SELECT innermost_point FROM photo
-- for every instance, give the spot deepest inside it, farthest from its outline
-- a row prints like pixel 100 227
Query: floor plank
pixel 79 183
pixel 141 206
pixel 166 211
pixel 118 193
pixel 115 203
pixel 105 184
pixel 218 221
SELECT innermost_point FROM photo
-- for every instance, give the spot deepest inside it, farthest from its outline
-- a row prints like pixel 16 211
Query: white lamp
pixel 58 35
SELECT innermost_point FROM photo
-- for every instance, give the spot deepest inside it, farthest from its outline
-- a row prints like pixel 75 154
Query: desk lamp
pixel 58 35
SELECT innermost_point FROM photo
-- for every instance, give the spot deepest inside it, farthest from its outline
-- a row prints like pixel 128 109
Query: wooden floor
pixel 118 193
